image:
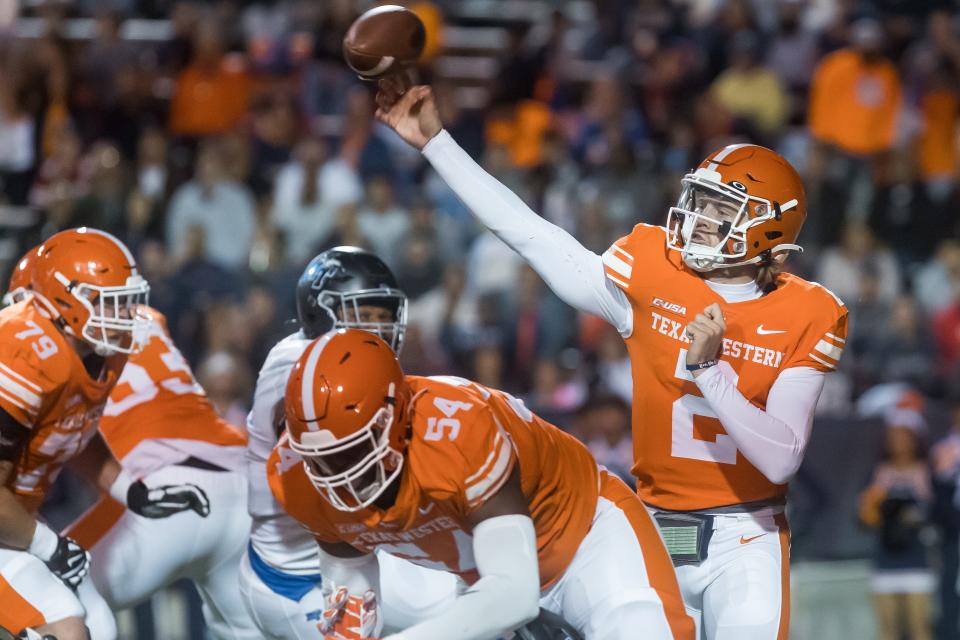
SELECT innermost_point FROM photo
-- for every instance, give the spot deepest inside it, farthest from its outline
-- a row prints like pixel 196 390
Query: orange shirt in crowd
pixel 937 144
pixel 209 102
pixel 854 105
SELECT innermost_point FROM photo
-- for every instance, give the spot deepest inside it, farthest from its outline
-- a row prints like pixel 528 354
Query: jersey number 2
pixel 684 445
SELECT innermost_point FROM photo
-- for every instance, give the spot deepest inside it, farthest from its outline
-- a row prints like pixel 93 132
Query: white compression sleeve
pixel 506 597
pixel 772 440
pixel 356 574
pixel 571 270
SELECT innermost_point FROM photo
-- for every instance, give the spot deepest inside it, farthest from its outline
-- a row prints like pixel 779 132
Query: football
pixel 384 41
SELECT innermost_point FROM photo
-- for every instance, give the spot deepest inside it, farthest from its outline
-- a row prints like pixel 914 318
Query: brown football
pixel 384 41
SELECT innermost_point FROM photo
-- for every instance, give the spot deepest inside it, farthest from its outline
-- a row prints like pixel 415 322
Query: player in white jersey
pixel 279 575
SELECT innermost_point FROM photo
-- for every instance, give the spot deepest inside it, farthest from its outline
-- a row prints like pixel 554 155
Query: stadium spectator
pixel 222 208
pixel 905 352
pixel 607 419
pixel 936 283
pixel 382 221
pixel 840 268
pixel 945 462
pixel 855 95
pixel 946 327
pixel 750 92
pixel 896 505
pixel 212 92
pixel 307 194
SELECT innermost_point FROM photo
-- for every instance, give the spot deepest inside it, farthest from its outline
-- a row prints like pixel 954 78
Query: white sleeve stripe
pixel 492 491
pixel 16 403
pixel 618 265
pixel 823 362
pixel 31 385
pixel 489 461
pixel 497 476
pixel 829 349
pixel 626 255
pixel 835 338
pixel 618 281
pixel 25 395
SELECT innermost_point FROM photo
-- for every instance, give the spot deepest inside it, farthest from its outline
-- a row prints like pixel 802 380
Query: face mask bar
pixel 688 216
pixel 393 300
pixel 340 487
pixel 117 322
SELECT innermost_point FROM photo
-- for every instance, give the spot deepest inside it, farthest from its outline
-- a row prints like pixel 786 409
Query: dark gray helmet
pixel 338 282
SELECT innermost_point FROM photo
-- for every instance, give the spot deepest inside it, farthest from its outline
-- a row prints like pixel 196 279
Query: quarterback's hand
pixel 411 112
pixel 706 335
pixel 160 502
pixel 70 562
pixel 350 617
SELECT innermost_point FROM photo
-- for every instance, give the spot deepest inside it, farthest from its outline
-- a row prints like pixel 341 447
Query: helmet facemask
pixel 344 308
pixel 352 472
pixel 709 224
pixel 117 321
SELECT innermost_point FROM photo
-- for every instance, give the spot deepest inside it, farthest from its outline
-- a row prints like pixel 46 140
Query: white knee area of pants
pixel 743 595
pixel 31 578
pixel 640 616
pixel 99 618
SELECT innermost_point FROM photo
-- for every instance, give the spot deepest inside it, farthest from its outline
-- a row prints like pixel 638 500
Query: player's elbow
pixel 780 471
pixel 520 605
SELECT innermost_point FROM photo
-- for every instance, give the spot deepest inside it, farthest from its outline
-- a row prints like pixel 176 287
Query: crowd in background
pixel 229 150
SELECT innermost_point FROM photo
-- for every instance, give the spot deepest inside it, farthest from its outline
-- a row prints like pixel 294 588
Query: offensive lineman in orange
pixel 160 425
pixel 728 354
pixel 61 352
pixel 454 476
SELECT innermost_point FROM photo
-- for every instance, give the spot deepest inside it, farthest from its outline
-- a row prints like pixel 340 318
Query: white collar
pixel 739 292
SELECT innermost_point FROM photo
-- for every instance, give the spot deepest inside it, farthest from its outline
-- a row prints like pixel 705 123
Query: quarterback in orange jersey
pixel 453 476
pixel 728 354
pixel 61 352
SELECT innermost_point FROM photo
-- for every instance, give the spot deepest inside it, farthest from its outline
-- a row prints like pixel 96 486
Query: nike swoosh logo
pixel 425 510
pixel 767 332
pixel 751 539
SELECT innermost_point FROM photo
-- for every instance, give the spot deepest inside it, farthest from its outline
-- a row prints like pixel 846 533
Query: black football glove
pixel 161 502
pixel 70 562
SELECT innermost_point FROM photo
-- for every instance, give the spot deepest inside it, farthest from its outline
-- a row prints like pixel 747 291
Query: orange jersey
pixel 45 387
pixel 465 442
pixel 157 398
pixel 683 458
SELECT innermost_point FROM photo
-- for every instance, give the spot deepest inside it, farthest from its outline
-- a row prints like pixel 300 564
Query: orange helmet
pixel 19 287
pixel 345 406
pixel 743 204
pixel 87 281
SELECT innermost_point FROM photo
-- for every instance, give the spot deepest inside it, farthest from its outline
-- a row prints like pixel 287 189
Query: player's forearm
pixel 507 595
pixel 571 270
pixel 17 525
pixel 96 464
pixel 773 440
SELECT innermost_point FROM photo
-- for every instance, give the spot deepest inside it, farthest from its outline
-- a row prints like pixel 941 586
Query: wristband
pixel 121 486
pixel 44 543
pixel 703 365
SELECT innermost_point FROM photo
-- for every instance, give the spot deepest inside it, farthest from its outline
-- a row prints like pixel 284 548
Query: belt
pixel 292 587
pixel 197 463
pixel 743 507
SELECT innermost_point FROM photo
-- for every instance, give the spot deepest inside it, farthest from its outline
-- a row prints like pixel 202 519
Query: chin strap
pixel 710 264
